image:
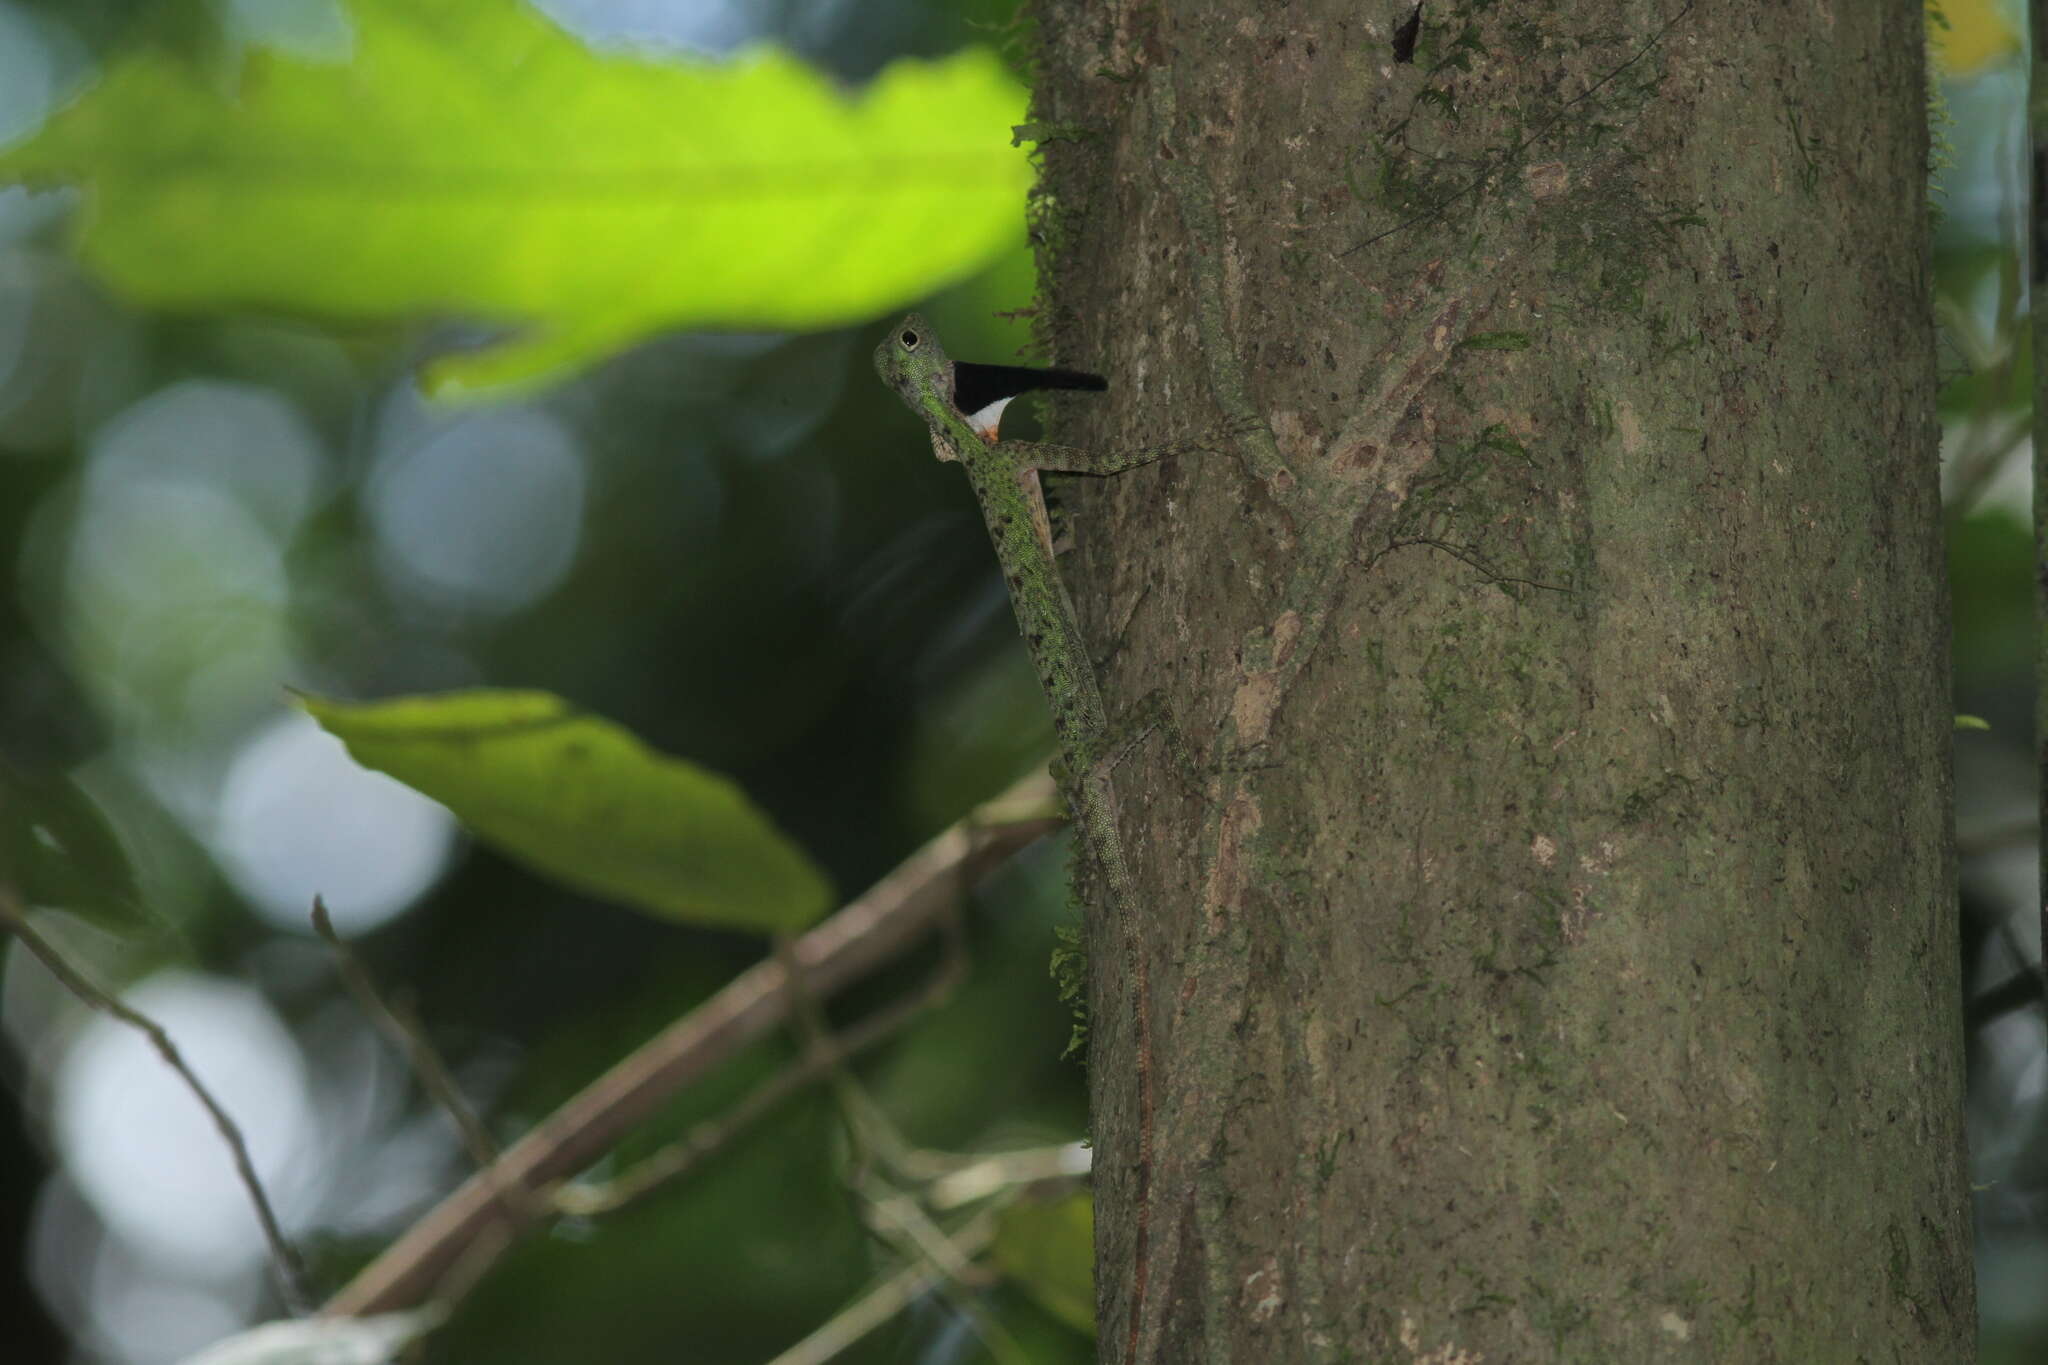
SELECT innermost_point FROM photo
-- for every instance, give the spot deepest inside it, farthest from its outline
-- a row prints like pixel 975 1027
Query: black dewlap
pixel 976 386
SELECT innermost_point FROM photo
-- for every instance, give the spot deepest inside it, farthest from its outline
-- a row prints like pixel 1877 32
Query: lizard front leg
pixel 1058 459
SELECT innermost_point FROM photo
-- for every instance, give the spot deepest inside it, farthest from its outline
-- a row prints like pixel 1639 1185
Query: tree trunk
pixel 1561 964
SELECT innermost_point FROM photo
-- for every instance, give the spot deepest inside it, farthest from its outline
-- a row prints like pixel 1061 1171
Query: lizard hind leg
pixel 1128 730
pixel 1196 768
pixel 1089 772
pixel 1059 459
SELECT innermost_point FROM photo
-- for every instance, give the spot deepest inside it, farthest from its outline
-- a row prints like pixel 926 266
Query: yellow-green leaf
pixel 1969 36
pixel 1049 1249
pixel 582 800
pixel 468 157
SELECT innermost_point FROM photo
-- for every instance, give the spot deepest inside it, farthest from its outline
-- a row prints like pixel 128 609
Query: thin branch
pixel 871 1137
pixel 1007 1178
pixel 2028 986
pixel 684 1155
pixel 2022 990
pixel 893 1214
pixel 2017 834
pixel 409 1038
pixel 284 1259
pixel 991 1175
pixel 900 1221
pixel 874 929
pixel 815 1044
pixel 886 1300
pixel 1980 462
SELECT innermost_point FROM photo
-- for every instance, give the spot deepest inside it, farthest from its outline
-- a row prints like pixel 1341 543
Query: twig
pixel 2017 834
pixel 679 1157
pixel 2022 990
pixel 892 1214
pixel 815 1044
pixel 1981 462
pixel 409 1038
pixel 894 913
pixel 284 1259
pixel 990 1175
pixel 898 1219
pixel 886 1300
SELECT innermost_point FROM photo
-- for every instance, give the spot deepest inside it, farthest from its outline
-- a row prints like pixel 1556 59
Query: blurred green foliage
pixel 469 156
pixel 1050 1247
pixel 58 848
pixel 1970 36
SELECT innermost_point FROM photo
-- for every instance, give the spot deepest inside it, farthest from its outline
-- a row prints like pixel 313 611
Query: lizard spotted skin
pixel 1005 479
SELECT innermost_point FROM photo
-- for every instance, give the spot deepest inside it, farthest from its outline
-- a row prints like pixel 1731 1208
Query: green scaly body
pixel 1004 476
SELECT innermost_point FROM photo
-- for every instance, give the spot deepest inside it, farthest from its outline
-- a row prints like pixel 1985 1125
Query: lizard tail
pixel 1141 1242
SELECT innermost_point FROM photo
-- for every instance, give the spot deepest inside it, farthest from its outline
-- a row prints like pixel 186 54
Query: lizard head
pixel 912 362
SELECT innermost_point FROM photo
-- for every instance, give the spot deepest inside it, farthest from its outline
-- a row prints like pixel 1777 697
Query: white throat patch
pixel 986 420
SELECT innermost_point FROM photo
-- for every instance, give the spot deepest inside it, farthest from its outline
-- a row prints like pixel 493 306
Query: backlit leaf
pixel 583 800
pixel 469 157
pixel 1970 36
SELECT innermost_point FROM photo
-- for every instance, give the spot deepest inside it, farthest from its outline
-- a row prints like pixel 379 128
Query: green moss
pixel 1556 1314
pixel 1070 977
pixel 1744 1314
pixel 1326 1156
pixel 1644 802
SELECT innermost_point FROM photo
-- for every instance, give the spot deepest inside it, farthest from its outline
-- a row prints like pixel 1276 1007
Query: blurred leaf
pixel 1969 35
pixel 58 850
pixel 1991 392
pixel 582 799
pixel 323 1341
pixel 1049 1248
pixel 1991 584
pixel 472 157
pixel 1966 274
pixel 1972 723
pixel 1961 266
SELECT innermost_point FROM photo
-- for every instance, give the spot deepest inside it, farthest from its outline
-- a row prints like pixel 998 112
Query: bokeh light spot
pixel 145 1154
pixel 28 77
pixel 168 582
pixel 315 29
pixel 300 818
pixel 245 441
pixel 483 515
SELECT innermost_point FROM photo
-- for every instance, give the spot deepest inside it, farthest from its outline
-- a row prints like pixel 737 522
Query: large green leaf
pixel 469 157
pixel 581 799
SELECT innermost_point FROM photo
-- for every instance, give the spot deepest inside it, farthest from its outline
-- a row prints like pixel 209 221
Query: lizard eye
pixel 909 339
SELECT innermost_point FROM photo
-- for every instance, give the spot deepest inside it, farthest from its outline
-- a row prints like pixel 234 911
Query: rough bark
pixel 1561 962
